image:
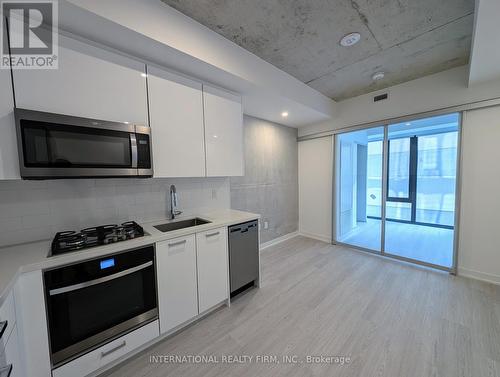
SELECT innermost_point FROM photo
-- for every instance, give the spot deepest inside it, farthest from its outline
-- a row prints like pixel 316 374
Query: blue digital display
pixel 107 263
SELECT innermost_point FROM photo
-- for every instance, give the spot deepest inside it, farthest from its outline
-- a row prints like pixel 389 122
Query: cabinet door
pixel 177 291
pixel 176 118
pixel 31 324
pixel 90 82
pixel 223 133
pixel 9 160
pixel 213 270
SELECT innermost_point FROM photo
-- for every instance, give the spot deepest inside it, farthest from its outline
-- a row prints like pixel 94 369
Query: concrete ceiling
pixel 406 39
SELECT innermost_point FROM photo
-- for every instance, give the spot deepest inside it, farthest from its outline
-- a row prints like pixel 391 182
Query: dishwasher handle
pixel 243 228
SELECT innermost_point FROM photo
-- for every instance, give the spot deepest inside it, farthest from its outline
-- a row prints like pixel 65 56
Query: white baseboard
pixel 318 237
pixel 275 241
pixel 478 275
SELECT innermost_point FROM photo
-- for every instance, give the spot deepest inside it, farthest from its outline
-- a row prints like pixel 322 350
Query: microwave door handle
pixel 133 149
pixel 74 287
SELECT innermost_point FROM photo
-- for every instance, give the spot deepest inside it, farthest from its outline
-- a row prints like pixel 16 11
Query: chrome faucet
pixel 173 203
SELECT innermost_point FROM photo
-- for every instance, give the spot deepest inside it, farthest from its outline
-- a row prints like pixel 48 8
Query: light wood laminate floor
pixel 423 243
pixel 390 318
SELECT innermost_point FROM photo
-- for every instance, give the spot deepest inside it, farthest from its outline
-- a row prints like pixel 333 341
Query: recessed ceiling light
pixel 284 114
pixel 350 39
pixel 408 124
pixel 378 76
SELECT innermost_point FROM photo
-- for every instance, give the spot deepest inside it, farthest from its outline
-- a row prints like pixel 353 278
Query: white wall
pixel 445 89
pixel 9 164
pixel 35 210
pixel 485 57
pixel 315 188
pixel 479 245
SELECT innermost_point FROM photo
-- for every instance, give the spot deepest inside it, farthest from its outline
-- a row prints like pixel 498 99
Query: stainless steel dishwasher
pixel 243 256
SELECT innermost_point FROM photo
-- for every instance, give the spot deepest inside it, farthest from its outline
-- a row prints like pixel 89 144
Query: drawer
pixel 10 357
pixel 7 319
pixel 101 356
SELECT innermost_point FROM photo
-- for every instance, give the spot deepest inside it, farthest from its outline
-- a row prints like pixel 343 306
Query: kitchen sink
pixel 176 225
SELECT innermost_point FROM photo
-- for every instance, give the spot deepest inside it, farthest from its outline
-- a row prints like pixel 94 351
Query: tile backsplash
pixel 36 210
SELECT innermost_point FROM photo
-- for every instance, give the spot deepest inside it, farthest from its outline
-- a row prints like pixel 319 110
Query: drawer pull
pixel 108 352
pixel 177 243
pixel 6 371
pixel 212 234
pixel 3 327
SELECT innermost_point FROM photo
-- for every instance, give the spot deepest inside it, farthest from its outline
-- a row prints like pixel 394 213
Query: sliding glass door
pixel 422 176
pixel 359 182
pixel 395 189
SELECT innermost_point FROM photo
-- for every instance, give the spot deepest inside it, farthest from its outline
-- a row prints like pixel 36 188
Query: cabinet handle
pixel 6 370
pixel 212 234
pixel 177 243
pixel 3 326
pixel 108 352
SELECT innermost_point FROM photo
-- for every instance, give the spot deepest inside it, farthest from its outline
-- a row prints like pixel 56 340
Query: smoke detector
pixel 350 39
pixel 377 76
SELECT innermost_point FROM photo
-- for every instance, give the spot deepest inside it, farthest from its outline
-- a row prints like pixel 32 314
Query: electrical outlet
pixel 266 224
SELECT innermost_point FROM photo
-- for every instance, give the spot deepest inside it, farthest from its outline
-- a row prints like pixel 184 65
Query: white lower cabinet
pixel 212 257
pixel 177 287
pixel 101 356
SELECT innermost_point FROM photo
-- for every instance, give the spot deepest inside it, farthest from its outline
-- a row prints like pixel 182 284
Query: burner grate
pixel 68 241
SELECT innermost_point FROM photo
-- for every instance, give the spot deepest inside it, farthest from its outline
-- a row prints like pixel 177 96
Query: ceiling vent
pixel 381 97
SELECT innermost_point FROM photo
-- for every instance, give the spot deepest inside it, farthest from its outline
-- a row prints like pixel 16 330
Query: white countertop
pixel 18 259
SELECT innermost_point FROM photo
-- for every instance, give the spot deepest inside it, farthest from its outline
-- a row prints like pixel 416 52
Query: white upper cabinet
pixel 9 160
pixel 223 132
pixel 90 82
pixel 176 119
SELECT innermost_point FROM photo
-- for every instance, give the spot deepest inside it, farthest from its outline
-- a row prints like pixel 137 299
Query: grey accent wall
pixel 270 185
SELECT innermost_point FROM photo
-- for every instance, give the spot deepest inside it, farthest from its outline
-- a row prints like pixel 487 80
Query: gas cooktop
pixel 68 241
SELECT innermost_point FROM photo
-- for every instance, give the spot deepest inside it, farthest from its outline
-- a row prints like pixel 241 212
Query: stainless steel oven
pixel 93 302
pixel 62 146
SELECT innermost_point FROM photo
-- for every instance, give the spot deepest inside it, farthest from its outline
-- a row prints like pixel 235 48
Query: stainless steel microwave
pixel 61 146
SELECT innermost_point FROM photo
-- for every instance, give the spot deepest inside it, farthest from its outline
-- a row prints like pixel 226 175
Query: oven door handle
pixel 104 279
